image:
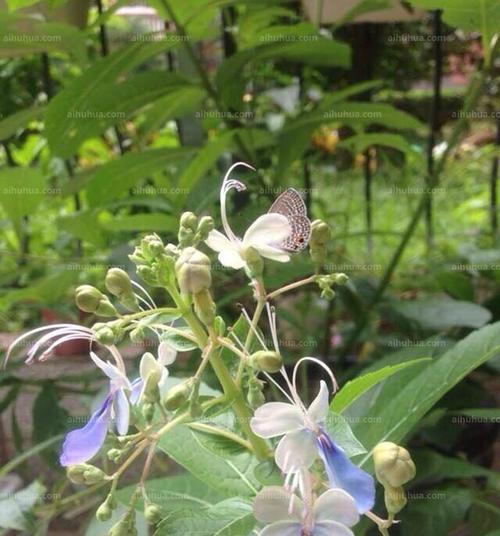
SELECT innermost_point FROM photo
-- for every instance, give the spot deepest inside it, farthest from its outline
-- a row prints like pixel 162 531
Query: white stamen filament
pixel 253 328
pixel 146 293
pixel 317 362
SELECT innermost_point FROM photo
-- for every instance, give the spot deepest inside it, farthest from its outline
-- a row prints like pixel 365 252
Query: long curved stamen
pixel 227 185
pixel 253 328
pixel 271 313
pixel 146 293
pixel 315 360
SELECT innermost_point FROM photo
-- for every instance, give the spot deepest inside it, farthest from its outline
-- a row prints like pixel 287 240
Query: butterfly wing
pixel 291 205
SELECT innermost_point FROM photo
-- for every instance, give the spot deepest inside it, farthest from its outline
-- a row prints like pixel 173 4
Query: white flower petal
pixel 268 229
pixel 148 364
pixel 273 253
pixel 118 379
pixel 218 241
pixel 276 418
pixel 318 410
pixel 272 504
pixel 166 354
pixel 231 259
pixel 336 505
pixel 331 528
pixel 282 528
pixel 296 450
pixel 122 412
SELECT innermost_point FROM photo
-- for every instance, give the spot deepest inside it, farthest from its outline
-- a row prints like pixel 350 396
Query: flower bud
pixel 395 499
pixel 151 246
pixel 106 334
pixel 104 512
pixel 92 300
pixel 125 525
pixel 320 235
pixel 193 271
pixel 152 514
pixel 138 334
pixel 114 455
pixel 341 279
pixel 147 274
pixel 205 225
pixel 255 396
pixel 393 464
pixel 254 264
pixel 148 411
pixel 118 283
pixel 204 307
pixel 189 220
pixel 177 395
pixel 84 473
pixel 266 360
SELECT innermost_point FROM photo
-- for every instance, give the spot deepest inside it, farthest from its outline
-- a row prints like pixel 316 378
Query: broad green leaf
pixel 84 225
pixel 141 222
pixel 404 399
pixel 442 313
pixel 340 431
pixel 114 178
pixel 61 119
pixel 180 343
pixel 360 142
pixel 12 123
pixel 15 508
pixel 21 191
pixel 355 388
pixel 233 476
pixel 26 35
pixel 232 517
pixel 175 493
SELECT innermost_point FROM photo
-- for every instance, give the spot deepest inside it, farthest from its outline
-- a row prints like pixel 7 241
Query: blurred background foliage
pixel 117 116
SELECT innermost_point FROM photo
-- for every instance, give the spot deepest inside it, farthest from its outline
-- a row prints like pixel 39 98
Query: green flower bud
pixel 164 269
pixel 118 283
pixel 92 300
pixel 151 246
pixel 125 526
pixel 138 334
pixel 84 473
pixel 395 499
pixel 320 235
pixel 114 455
pixel 255 396
pixel 152 513
pixel 393 464
pixel 266 360
pixel 193 271
pixel 254 264
pixel 205 225
pixel 147 274
pixel 148 411
pixel 104 512
pixel 177 395
pixel 204 307
pixel 106 334
pixel 341 279
pixel 189 220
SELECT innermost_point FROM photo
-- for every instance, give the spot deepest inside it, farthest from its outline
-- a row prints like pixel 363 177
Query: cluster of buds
pixel 85 473
pixel 393 469
pixel 91 300
pixel 194 278
pixel 318 242
pixel 108 333
pixel 118 283
pixel 325 283
pixel 192 230
pixel 155 261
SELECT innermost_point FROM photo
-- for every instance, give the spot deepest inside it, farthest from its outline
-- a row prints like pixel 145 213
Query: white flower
pixel 264 235
pixel 286 515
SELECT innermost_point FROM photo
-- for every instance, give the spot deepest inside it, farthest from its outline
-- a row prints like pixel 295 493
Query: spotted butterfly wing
pixel 291 205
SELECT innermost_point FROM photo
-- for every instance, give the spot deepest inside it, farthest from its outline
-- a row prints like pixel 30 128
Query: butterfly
pixel 291 205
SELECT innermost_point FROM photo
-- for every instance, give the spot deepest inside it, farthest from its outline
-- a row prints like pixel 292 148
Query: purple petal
pixel 342 473
pixel 135 393
pixel 82 444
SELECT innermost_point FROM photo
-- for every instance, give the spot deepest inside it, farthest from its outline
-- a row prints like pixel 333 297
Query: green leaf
pixel 404 399
pixel 442 313
pixel 142 222
pixel 15 507
pixel 234 476
pixel 49 419
pixel 175 493
pixel 114 178
pixel 232 517
pixel 482 414
pixel 27 35
pixel 340 431
pixel 355 388
pixel 12 123
pixel 180 343
pixel 62 120
pixel 21 191
pixel 360 142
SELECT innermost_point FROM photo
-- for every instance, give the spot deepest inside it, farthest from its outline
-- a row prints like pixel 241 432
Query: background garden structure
pixel 116 117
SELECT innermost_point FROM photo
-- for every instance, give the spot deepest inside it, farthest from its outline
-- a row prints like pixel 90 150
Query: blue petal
pixel 342 473
pixel 82 444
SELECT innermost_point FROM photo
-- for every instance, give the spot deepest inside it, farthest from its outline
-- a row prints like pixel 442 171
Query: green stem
pixel 291 286
pixel 220 432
